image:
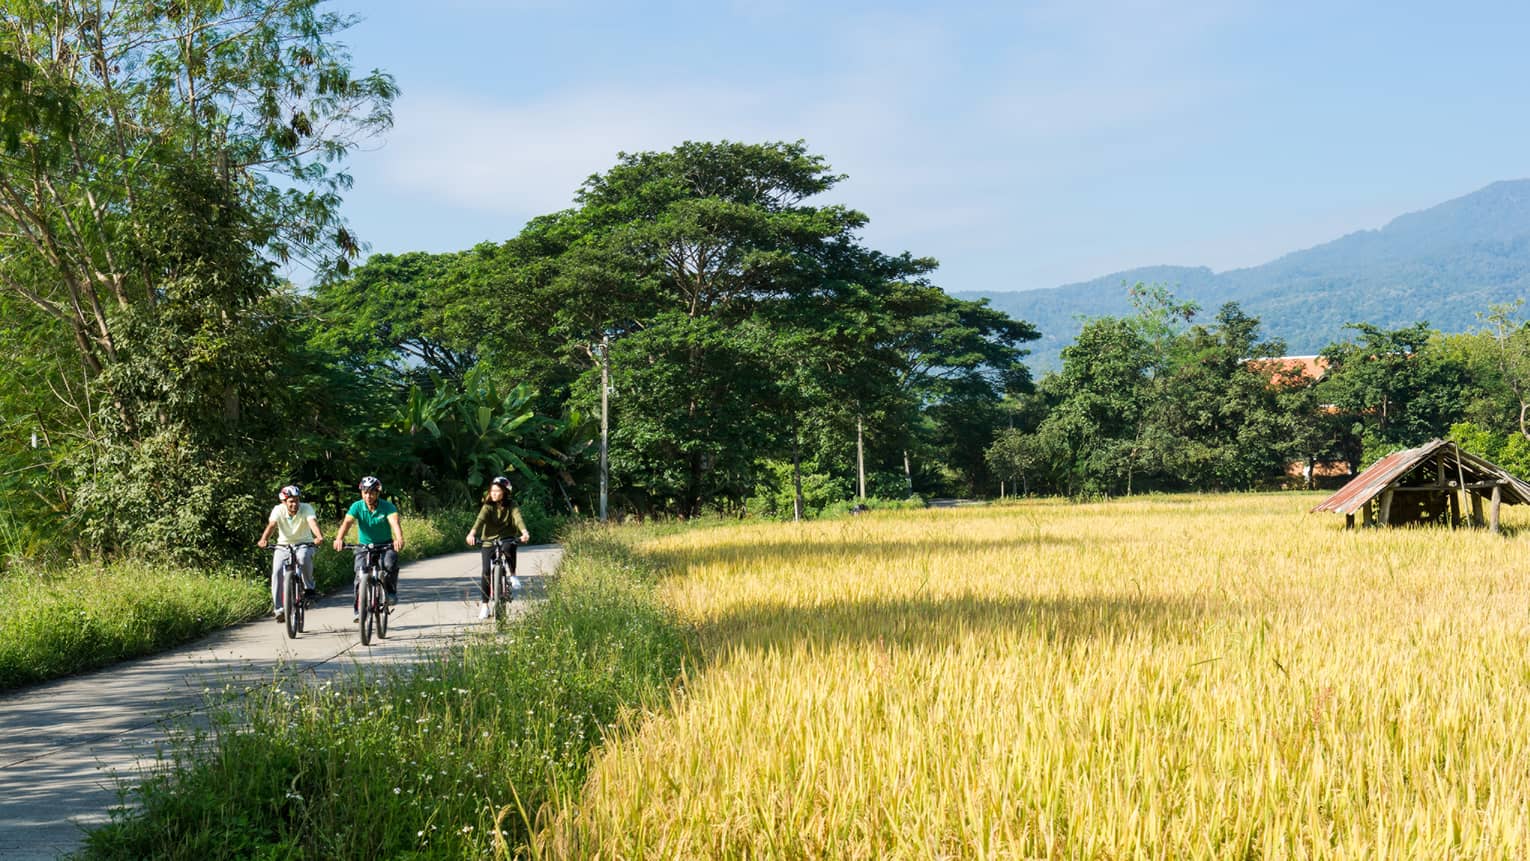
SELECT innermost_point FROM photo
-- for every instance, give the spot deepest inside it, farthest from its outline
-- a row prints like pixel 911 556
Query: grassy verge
pixel 57 623
pixel 453 759
pixel 62 621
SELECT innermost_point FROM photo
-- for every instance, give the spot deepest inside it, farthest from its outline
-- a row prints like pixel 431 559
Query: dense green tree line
pixel 161 163
pixel 1158 401
pixel 749 337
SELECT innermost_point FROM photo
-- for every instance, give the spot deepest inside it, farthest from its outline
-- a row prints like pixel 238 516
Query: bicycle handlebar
pixel 382 545
pixel 275 547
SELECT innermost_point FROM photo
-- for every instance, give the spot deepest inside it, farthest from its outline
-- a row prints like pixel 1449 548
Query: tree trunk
pixel 797 503
pixel 605 421
pixel 860 458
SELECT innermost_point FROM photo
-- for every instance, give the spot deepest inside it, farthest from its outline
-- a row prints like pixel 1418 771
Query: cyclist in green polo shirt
pixel 376 522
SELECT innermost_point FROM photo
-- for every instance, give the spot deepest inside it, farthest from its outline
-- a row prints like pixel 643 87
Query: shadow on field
pixel 777 552
pixel 939 622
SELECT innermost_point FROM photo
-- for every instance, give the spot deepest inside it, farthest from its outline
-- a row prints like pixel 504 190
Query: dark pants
pixel 390 571
pixel 486 553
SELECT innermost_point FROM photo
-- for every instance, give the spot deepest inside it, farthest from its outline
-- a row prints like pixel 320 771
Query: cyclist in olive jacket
pixel 498 518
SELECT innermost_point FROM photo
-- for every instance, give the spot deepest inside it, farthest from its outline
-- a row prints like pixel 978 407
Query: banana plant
pixel 467 436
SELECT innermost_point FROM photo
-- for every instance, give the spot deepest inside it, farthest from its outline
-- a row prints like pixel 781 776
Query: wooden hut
pixel 1428 484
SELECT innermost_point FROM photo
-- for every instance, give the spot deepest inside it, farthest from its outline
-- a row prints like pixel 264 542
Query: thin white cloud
pixel 939 157
pixel 531 158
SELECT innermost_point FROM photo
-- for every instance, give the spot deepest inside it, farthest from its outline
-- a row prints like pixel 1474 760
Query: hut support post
pixel 1477 518
pixel 1349 521
pixel 1453 501
pixel 1385 514
pixel 1493 511
pixel 1367 515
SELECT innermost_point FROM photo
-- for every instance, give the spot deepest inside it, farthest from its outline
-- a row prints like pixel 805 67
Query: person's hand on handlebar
pixel 525 537
pixel 261 544
pixel 471 540
pixel 339 545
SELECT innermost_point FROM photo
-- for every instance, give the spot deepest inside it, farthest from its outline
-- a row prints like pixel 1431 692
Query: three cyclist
pixel 499 518
pixel 294 522
pixel 377 523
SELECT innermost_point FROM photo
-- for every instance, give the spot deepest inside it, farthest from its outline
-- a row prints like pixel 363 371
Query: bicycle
pixel 292 584
pixel 501 581
pixel 372 608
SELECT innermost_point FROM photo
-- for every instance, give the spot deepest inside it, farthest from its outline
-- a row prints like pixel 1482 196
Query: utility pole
pixel 605 417
pixel 860 456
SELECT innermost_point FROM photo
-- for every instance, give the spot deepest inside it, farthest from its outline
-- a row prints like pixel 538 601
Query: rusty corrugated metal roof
pixel 1383 473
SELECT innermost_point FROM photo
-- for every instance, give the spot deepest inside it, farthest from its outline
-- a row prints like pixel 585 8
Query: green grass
pixel 453 759
pixel 63 620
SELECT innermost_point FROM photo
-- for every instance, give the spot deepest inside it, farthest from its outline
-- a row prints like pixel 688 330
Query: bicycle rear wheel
pixel 292 602
pixel 383 610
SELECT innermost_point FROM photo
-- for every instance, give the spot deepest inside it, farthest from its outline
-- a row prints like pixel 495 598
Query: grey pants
pixel 279 567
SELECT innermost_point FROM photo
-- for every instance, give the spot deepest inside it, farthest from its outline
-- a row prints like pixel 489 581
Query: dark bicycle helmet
pixel 370 482
pixel 502 482
pixel 291 491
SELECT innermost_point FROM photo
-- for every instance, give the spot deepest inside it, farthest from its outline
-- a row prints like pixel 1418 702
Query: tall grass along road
pixel 453 759
pixel 66 620
pixel 60 742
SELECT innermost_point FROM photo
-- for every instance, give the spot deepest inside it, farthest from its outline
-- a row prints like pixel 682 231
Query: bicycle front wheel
pixel 497 591
pixel 292 602
pixel 301 604
pixel 383 610
pixel 364 614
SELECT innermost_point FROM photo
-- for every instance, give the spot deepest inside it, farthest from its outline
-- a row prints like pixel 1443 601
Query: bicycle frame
pixel 500 574
pixel 371 600
pixel 291 587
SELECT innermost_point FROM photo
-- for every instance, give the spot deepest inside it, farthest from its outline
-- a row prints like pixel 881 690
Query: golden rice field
pixel 1166 677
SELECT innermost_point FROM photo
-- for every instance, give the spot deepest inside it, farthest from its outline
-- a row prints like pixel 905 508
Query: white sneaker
pixel 483 611
pixel 355 616
pixel 280 616
pixel 515 583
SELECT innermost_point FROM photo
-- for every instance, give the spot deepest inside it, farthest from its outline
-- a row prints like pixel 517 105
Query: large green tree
pixel 671 255
pixel 392 311
pixel 1159 401
pixel 158 161
pixel 1395 386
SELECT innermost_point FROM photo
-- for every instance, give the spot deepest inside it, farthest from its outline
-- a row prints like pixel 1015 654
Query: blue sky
pixel 1023 145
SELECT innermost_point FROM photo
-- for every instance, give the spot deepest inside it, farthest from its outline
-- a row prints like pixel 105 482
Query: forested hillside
pixel 1440 266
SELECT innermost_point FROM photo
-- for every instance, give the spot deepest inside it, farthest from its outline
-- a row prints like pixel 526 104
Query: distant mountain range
pixel 1444 265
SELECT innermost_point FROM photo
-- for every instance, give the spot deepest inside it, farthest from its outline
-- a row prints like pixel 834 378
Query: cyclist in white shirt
pixel 294 523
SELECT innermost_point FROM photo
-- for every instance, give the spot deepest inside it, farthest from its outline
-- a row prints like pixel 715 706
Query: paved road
pixel 61 742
